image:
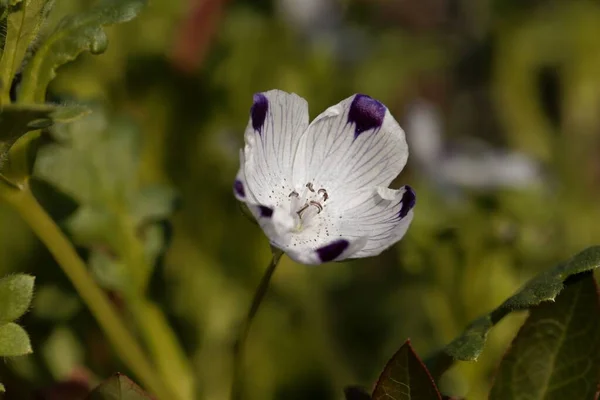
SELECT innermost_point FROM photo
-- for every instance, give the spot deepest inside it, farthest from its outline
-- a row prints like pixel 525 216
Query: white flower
pixel 320 191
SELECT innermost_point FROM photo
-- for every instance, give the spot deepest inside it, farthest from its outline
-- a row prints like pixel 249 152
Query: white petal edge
pixel 333 156
pixel 277 121
pixel 382 216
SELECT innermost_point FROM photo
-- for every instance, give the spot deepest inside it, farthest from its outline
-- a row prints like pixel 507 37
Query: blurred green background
pixel 501 103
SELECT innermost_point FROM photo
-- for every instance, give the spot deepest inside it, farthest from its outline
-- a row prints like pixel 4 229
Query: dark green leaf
pixel 16 292
pixel 22 27
pixel 405 378
pixel 73 35
pixel 356 393
pixel 118 387
pixel 556 354
pixel 544 287
pixel 17 120
pixel 14 341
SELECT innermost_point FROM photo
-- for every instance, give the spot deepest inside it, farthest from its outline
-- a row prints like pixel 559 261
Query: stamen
pixel 324 193
pixel 316 204
pixel 300 211
pixel 294 194
pixel 309 185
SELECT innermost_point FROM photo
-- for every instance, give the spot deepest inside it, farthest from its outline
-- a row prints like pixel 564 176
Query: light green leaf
pixel 73 35
pixel 62 352
pixel 405 378
pixel 16 292
pixel 14 341
pixel 154 202
pixel 98 164
pixel 118 387
pixel 544 287
pixel 2 389
pixel 556 354
pixel 17 120
pixel 109 272
pixel 22 27
pixel 51 302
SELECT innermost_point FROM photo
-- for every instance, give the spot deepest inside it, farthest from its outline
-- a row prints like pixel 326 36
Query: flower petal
pixel 308 248
pixel 335 250
pixel 277 121
pixel 383 217
pixel 352 146
pixel 239 185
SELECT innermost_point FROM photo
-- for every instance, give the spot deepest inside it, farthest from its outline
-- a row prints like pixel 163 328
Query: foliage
pixel 118 387
pixel 555 354
pixel 16 292
pixel 122 166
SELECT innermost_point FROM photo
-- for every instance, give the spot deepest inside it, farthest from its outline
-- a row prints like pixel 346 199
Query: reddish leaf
pixel 405 377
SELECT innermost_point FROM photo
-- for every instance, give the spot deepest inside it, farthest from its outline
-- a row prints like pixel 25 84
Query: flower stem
pixel 240 344
pixel 73 266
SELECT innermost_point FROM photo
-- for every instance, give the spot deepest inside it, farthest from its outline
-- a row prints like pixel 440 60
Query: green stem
pixel 240 344
pixel 73 266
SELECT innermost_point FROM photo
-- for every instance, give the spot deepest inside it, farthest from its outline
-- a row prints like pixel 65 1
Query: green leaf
pixel 63 353
pixel 22 27
pixel 16 292
pixel 2 389
pixel 73 35
pixel 97 162
pixel 544 287
pixel 154 202
pixel 17 120
pixel 53 303
pixel 405 378
pixel 14 341
pixel 118 387
pixel 556 354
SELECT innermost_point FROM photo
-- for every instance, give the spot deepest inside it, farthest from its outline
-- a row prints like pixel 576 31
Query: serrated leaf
pixel 22 154
pixel 97 162
pixel 556 354
pixel 405 378
pixel 544 287
pixel 16 292
pixel 22 27
pixel 118 387
pixel 74 35
pixel 17 120
pixel 14 341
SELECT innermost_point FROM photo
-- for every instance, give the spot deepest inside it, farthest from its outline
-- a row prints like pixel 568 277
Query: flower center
pixel 308 205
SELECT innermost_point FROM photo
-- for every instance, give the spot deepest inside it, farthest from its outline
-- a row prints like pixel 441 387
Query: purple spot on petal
pixel 238 186
pixel 265 212
pixel 258 111
pixel 366 113
pixel 408 201
pixel 333 250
